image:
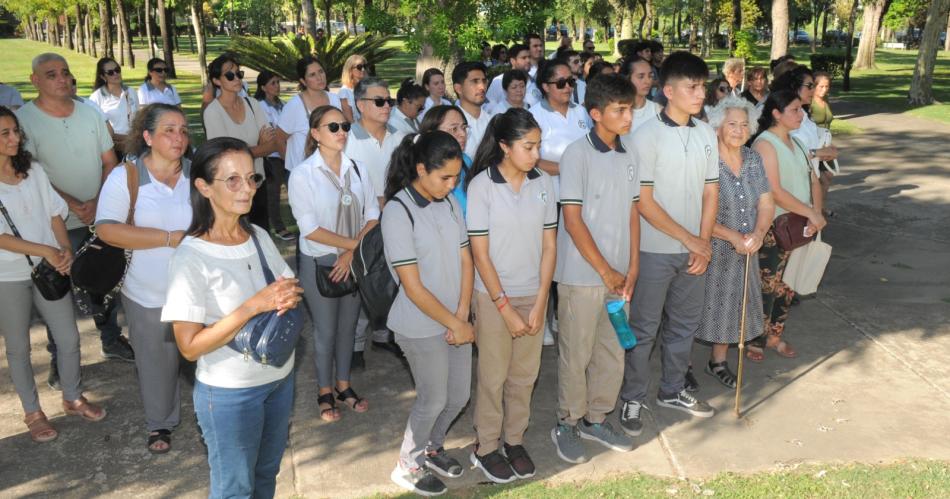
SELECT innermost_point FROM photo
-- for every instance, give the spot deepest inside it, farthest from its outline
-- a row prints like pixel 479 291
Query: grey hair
pixel 365 84
pixel 733 64
pixel 718 113
pixel 47 57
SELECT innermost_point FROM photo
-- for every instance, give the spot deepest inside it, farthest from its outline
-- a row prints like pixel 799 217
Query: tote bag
pixel 806 266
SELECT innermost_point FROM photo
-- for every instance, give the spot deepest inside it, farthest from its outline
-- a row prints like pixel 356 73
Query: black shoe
pixel 685 402
pixel 494 466
pixel 389 346
pixel 519 460
pixel 119 350
pixel 691 386
pixel 357 361
pixel 53 379
pixel 418 480
pixel 440 462
pixel 630 418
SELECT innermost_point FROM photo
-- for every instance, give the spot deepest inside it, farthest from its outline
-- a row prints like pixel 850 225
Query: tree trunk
pixel 125 33
pixel 90 34
pixel 105 27
pixel 736 25
pixel 648 15
pixel 693 33
pixel 849 46
pixel 873 12
pixel 626 25
pixel 310 17
pixel 824 21
pixel 946 43
pixel 148 29
pixel 707 28
pixel 426 60
pixel 198 24
pixel 168 52
pixel 921 91
pixel 582 26
pixel 779 29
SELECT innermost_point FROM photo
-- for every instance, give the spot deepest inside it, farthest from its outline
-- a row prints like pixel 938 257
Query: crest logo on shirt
pixel 708 150
pixel 582 124
pixel 543 196
pixel 630 173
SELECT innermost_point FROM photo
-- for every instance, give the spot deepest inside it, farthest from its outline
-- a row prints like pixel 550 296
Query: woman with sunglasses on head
pixel 410 99
pixel 716 90
pixel 230 115
pixel 158 142
pixel 216 285
pixel 433 80
pixel 117 101
pixel 268 95
pixel 156 90
pixel 294 125
pixel 335 205
pixel 354 69
pixel 449 119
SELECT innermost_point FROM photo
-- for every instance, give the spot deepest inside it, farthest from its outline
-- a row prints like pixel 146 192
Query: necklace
pixel 685 143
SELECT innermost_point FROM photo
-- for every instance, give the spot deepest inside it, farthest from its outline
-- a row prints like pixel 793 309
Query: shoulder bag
pixel 47 280
pixel 789 228
pixel 325 285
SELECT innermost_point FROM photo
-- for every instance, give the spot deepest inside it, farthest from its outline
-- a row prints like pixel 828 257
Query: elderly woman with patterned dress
pixel 745 214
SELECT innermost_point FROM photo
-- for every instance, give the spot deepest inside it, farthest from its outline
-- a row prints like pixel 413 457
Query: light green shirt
pixel 70 149
pixel 793 169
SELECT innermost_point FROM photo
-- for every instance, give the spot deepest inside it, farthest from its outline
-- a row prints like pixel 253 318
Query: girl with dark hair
pixel 427 248
pixel 294 125
pixel 757 88
pixel 499 54
pixel 433 80
pixel 117 101
pixel 268 95
pixel 512 224
pixel 33 232
pixel 716 90
pixel 216 284
pixel 410 100
pixel 795 189
pixel 640 73
pixel 334 207
pixel 451 120
pixel 156 90
pixel 160 216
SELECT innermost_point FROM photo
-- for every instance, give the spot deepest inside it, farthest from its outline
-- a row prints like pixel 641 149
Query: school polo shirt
pixel 149 94
pixel 650 111
pixel 514 223
pixel 677 162
pixel 433 240
pixel 603 182
pixel 119 110
pixel 375 156
pixel 476 130
pixel 496 92
pixel 70 149
pixel 403 123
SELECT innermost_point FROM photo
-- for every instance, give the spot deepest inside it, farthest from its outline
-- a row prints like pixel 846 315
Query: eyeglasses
pixel 235 182
pixel 230 75
pixel 335 127
pixel 159 70
pixel 360 67
pixel 381 101
pixel 563 82
pixel 809 85
pixel 110 72
pixel 463 128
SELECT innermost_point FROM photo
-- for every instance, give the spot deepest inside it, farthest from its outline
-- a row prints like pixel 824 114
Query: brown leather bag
pixel 789 231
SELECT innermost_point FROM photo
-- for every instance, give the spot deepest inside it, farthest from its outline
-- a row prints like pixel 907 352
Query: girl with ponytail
pixel 426 245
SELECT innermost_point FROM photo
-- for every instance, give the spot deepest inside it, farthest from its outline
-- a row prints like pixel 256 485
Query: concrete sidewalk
pixel 870 384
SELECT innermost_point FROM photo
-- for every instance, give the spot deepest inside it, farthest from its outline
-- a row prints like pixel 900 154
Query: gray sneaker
pixel 568 443
pixel 685 402
pixel 606 435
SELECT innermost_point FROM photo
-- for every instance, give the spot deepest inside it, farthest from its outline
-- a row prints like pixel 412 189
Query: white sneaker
pixel 548 336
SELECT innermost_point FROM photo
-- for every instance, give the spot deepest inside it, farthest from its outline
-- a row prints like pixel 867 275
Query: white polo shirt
pixel 650 111
pixel 157 206
pixel 149 94
pixel 476 130
pixel 315 201
pixel 375 156
pixel 295 122
pixel 558 131
pixel 403 123
pixel 496 92
pixel 119 110
pixel 347 94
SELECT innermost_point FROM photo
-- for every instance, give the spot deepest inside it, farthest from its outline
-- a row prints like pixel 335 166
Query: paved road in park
pixel 871 383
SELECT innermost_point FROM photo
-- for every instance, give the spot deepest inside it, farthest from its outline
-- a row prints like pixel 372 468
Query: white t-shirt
pixel 208 281
pixel 157 206
pixel 368 152
pixel 476 130
pixel 431 103
pixel 273 117
pixel 218 123
pixel 295 122
pixel 119 111
pixel 346 93
pixel 315 200
pixel 496 92
pixel 31 204
pixel 403 123
pixel 649 111
pixel 149 94
pixel 558 131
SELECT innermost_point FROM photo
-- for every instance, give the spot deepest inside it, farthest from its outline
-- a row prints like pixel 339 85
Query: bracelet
pixel 503 303
pixel 168 239
pixel 500 296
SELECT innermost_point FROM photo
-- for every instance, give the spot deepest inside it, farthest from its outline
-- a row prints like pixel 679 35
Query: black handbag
pixel 330 289
pixel 269 338
pixel 47 280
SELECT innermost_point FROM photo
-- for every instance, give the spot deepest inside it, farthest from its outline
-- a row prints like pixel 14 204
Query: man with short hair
pixel 589 47
pixel 573 59
pixel 73 145
pixel 519 56
pixel 470 84
pixel 535 45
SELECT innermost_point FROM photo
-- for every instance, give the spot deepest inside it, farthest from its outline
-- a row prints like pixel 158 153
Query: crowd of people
pixel 511 210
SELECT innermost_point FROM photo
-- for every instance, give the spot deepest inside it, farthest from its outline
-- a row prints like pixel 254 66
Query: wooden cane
pixel 745 297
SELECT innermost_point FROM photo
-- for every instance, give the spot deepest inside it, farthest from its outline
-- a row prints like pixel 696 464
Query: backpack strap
pixel 357 170
pixel 412 221
pixel 250 106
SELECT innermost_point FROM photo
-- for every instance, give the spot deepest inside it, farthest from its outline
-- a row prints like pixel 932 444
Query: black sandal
pixel 721 372
pixel 330 414
pixel 160 436
pixel 349 394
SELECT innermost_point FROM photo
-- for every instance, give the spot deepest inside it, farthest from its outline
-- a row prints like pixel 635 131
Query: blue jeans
pixel 246 432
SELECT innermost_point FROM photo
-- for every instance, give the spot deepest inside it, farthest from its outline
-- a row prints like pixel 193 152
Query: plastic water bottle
pixel 618 319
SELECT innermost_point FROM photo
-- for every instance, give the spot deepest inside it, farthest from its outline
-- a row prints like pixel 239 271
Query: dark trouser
pixel 258 214
pixel 107 322
pixel 276 176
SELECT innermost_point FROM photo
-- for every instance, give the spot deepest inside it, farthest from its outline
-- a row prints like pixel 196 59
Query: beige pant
pixel 590 358
pixel 507 370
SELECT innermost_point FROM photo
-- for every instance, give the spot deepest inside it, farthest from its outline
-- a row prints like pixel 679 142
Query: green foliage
pixel 831 63
pixel 378 20
pixel 906 12
pixel 745 44
pixel 282 55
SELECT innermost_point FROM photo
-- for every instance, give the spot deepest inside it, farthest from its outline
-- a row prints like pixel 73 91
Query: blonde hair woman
pixel 354 69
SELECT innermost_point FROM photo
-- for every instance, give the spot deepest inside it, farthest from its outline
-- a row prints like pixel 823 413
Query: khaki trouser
pixel 590 358
pixel 507 370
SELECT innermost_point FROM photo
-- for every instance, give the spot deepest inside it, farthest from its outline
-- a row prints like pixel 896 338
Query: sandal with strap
pixel 81 407
pixel 40 429
pixel 720 371
pixel 357 404
pixel 783 349
pixel 156 436
pixel 330 414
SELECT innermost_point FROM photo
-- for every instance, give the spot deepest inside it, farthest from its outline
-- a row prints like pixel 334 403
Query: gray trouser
pixel 334 323
pixel 17 299
pixel 156 360
pixel 363 331
pixel 443 378
pixel 664 290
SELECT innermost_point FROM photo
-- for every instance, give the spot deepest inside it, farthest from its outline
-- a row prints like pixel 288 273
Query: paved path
pixel 871 383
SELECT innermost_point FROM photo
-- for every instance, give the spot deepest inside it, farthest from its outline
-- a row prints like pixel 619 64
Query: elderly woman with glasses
pixel 744 217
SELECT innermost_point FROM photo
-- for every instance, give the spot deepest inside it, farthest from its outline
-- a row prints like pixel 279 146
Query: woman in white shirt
pixel 515 84
pixel 159 140
pixel 294 125
pixel 37 234
pixel 155 90
pixel 354 69
pixel 117 101
pixel 268 95
pixel 433 80
pixel 410 100
pixel 216 284
pixel 640 73
pixel 334 208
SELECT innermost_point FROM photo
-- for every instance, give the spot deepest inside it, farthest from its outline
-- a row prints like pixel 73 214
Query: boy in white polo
pixel 597 247
pixel 469 83
pixel 678 159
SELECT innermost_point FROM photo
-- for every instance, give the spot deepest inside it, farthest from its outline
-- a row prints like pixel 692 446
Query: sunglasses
pixel 563 82
pixel 809 86
pixel 335 127
pixel 110 72
pixel 381 101
pixel 360 67
pixel 235 182
pixel 230 75
pixel 159 70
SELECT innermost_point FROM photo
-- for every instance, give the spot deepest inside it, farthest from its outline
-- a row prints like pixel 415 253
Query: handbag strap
pixel 132 181
pixel 268 275
pixel 6 215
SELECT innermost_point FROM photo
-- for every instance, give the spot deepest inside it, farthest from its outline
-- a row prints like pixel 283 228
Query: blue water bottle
pixel 618 319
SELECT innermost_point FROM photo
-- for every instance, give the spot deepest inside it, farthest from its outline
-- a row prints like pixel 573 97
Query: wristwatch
pixel 813 153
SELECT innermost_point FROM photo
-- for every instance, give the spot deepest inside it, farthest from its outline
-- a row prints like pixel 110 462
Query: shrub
pixel 745 44
pixel 831 63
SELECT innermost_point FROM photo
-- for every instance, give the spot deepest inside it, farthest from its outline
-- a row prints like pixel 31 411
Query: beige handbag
pixel 806 266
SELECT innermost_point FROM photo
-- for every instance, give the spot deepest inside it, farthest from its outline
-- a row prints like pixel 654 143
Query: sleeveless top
pixel 793 169
pixel 821 114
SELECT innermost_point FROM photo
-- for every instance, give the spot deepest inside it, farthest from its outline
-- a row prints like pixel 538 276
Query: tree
pixel 946 42
pixel 125 34
pixel 310 17
pixel 168 51
pixel 921 86
pixel 849 45
pixel 779 28
pixel 874 11
pixel 148 29
pixel 197 23
pixel 105 27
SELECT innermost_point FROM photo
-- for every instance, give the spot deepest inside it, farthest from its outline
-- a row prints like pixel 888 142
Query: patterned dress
pixel 738 209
